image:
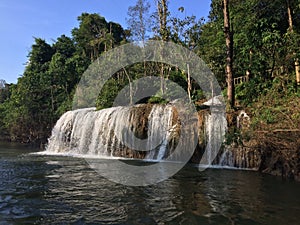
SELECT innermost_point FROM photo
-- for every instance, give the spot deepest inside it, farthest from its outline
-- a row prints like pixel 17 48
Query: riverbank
pixel 270 130
pixel 276 153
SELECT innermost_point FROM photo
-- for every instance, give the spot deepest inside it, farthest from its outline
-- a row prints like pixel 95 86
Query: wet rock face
pixel 140 120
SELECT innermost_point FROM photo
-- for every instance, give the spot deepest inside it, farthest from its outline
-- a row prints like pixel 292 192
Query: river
pixel 41 189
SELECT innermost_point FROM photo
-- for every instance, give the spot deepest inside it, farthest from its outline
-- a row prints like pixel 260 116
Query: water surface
pixel 39 189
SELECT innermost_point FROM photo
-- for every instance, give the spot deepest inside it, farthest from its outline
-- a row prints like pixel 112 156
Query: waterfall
pixel 142 131
pixel 62 133
pixel 215 129
pixel 159 131
pixel 114 132
pixel 241 157
pixel 226 158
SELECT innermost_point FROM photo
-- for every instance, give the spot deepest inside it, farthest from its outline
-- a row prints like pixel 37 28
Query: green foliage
pixel 29 109
pixel 197 94
pixel 186 30
pixel 4 92
pixel 263 45
pixel 96 35
pixel 249 92
pixel 40 54
pixel 260 38
pixel 267 116
pixel 108 94
pixel 277 108
pixel 157 100
pixel 233 137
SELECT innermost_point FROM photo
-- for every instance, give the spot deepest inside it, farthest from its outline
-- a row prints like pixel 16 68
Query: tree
pixel 164 33
pixel 31 98
pixel 291 29
pixel 262 47
pixel 139 20
pixel 163 13
pixel 95 35
pixel 185 31
pixel 65 46
pixel 91 28
pixel 44 91
pixel 29 109
pixel 229 54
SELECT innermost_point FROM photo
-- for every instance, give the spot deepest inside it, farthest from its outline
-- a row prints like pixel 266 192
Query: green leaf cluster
pixel 30 108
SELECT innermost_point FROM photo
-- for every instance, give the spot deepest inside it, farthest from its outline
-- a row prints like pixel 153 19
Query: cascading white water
pixel 160 124
pixel 215 129
pixel 104 132
pixel 239 156
pixel 227 158
pixel 243 158
pixel 112 132
pixel 62 136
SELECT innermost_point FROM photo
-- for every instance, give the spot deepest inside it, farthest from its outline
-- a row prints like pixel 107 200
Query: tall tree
pixel 229 53
pixel 95 35
pixel 138 20
pixel 65 46
pixel 30 102
pixel 186 31
pixel 259 41
pixel 291 29
pixel 164 33
pixel 163 13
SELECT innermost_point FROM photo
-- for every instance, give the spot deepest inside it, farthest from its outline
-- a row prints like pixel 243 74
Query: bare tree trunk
pixel 291 29
pixel 189 88
pixel 162 79
pixel 297 68
pixel 110 33
pixel 248 71
pixel 229 54
pixel 289 15
pixel 162 9
pixel 130 87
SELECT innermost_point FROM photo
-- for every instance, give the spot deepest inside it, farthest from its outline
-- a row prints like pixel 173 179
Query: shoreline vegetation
pixel 264 65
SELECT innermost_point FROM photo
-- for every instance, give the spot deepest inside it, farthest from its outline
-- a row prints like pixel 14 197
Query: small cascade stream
pixel 215 129
pixel 241 158
pixel 160 124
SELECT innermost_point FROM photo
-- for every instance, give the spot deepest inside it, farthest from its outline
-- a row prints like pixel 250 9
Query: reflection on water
pixel 51 189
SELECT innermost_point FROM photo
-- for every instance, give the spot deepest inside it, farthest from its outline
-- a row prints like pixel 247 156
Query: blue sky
pixel 22 20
